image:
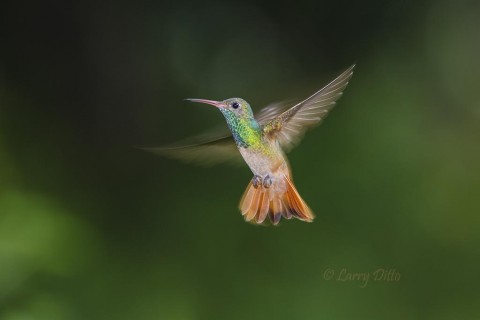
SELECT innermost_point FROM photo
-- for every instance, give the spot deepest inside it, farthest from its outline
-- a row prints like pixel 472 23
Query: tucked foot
pixel 256 181
pixel 267 182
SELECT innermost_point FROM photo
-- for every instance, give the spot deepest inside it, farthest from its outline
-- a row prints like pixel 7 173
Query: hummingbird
pixel 262 141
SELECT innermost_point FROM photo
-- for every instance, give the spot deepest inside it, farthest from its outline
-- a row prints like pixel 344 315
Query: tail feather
pixel 258 203
pixel 247 200
pixel 253 208
pixel 264 208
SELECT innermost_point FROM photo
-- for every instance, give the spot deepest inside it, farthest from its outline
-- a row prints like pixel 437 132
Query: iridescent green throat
pixel 245 130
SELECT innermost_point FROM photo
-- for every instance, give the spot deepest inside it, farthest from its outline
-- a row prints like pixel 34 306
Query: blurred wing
pixel 271 111
pixel 290 125
pixel 207 153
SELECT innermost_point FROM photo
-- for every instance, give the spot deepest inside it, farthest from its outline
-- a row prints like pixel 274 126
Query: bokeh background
pixel 92 228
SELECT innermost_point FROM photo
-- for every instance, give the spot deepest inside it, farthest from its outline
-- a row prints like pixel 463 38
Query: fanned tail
pixel 258 203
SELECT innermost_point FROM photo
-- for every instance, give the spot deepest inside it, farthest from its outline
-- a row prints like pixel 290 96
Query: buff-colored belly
pixel 263 164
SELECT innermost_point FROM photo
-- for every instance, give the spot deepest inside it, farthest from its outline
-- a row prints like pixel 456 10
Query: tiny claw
pixel 256 181
pixel 267 182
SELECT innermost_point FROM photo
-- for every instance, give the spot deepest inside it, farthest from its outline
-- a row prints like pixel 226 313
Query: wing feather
pixel 206 153
pixel 288 126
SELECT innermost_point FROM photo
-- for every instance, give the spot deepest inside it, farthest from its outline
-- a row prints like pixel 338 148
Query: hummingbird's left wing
pixel 208 152
pixel 270 112
pixel 289 126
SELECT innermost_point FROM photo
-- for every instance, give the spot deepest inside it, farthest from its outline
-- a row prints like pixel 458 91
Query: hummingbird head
pixel 239 116
pixel 231 108
pixel 238 107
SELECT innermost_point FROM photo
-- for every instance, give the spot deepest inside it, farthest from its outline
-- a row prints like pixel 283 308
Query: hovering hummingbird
pixel 262 141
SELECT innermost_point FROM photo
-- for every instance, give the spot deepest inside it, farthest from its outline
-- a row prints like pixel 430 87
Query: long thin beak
pixel 218 104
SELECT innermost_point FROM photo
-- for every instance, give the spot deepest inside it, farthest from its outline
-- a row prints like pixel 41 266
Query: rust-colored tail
pixel 276 201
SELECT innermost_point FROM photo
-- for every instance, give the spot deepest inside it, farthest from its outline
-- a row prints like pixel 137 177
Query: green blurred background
pixel 92 228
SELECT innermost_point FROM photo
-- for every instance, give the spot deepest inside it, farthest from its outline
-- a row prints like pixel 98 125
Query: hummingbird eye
pixel 235 105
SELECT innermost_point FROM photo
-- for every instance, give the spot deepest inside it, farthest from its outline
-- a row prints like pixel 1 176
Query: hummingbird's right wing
pixel 208 152
pixel 289 126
